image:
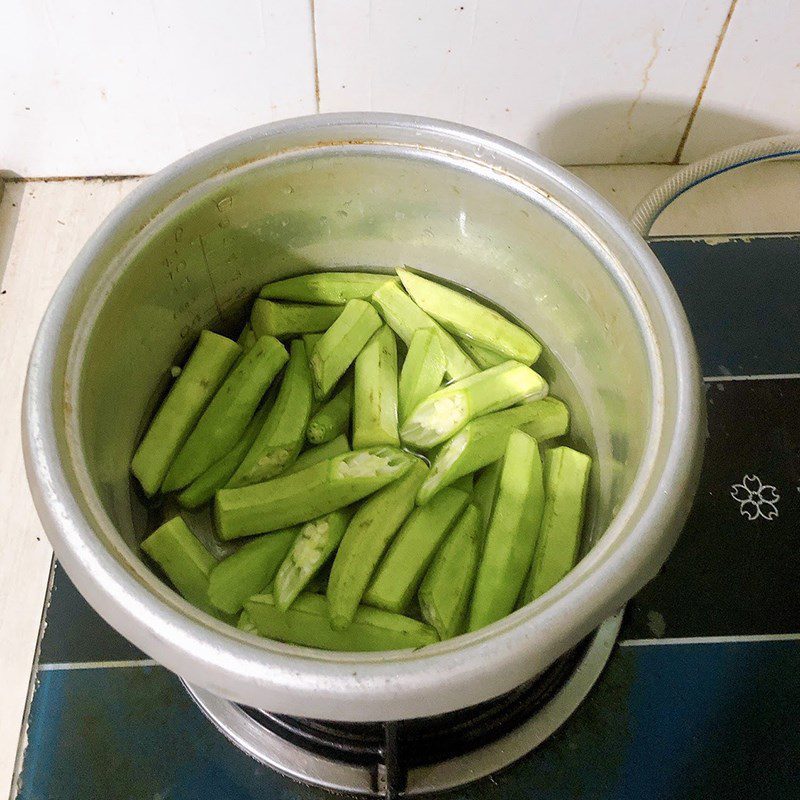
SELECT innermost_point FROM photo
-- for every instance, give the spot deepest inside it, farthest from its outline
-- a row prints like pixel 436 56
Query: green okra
pixel 482 356
pixel 370 530
pixel 284 431
pixel 566 480
pixel 446 411
pixel 405 317
pixel 375 391
pixel 486 490
pixel 340 344
pixel 483 441
pixel 466 483
pixel 466 317
pixel 247 571
pixel 319 453
pixel 511 537
pixel 412 550
pixel 246 623
pixel 210 361
pixel 227 415
pixel 290 319
pixel 328 288
pixel 422 372
pixel 307 623
pixel 201 490
pixel 183 558
pixel 310 340
pixel 307 494
pixel 247 338
pixel 313 546
pixel 447 587
pixel 333 418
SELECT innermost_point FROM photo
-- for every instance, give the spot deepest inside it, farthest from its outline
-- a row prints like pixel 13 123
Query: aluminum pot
pixel 190 247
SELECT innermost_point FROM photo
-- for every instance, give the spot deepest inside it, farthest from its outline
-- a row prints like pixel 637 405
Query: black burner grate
pixel 390 749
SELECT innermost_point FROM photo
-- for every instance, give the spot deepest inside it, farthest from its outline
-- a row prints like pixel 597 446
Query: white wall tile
pixel 90 88
pixel 581 82
pixel 754 88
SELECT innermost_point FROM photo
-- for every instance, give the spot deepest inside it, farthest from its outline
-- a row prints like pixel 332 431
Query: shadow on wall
pixel 635 132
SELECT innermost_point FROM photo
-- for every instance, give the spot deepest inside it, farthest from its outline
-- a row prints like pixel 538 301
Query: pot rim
pixel 441 677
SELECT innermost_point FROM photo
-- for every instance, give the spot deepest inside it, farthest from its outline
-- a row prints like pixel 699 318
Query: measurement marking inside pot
pixel 756 637
pixel 142 662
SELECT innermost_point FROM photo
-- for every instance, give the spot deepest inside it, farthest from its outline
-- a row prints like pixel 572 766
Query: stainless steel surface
pixel 270 749
pixel 194 242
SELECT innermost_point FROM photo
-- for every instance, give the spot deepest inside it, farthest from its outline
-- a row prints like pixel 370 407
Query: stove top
pixel 699 699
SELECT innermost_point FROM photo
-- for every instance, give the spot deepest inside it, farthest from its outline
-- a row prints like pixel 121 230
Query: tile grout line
pixel 11 178
pixel 689 640
pixel 665 642
pixel 709 69
pixel 315 54
pixel 776 376
pixel 70 665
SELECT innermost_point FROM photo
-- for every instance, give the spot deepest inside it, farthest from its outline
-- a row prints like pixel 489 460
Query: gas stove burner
pixel 417 756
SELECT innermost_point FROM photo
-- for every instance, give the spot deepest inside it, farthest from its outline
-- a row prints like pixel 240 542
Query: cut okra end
pixel 483 440
pixel 312 548
pixel 309 493
pixel 372 462
pixel 445 412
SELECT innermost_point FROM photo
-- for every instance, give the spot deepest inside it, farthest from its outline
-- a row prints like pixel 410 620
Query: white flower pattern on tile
pixel 756 499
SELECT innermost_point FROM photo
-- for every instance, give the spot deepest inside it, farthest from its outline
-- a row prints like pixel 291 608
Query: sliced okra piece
pixel 201 490
pixel 422 372
pixel 185 561
pixel 466 317
pixel 310 493
pixel 313 546
pixel 340 344
pixel 405 317
pixel 310 340
pixel 319 453
pixel 482 356
pixel 246 623
pixel 447 587
pixel 333 418
pixel 486 490
pixel 466 484
pixel 328 288
pixel 247 338
pixel 291 319
pixel 412 550
pixel 513 528
pixel 210 361
pixel 249 570
pixel 227 415
pixel 307 623
pixel 483 441
pixel 282 435
pixel 367 536
pixel 375 391
pixel 448 410
pixel 566 478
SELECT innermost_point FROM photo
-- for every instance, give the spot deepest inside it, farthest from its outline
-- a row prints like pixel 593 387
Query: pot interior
pixel 203 255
